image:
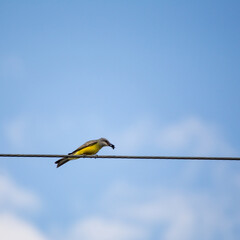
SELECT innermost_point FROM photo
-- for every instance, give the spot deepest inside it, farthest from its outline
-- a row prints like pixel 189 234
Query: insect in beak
pixel 112 146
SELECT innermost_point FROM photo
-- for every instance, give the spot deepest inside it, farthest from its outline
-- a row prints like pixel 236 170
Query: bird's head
pixel 104 142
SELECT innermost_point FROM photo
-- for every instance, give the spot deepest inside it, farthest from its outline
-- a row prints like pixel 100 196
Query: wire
pixel 121 157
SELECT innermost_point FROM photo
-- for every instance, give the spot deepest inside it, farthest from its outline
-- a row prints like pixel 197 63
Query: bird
pixel 88 148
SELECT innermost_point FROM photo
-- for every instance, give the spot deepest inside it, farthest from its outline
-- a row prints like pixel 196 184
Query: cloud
pixel 129 213
pixel 181 215
pixel 194 136
pixel 97 228
pixel 15 132
pixel 169 213
pixel 172 213
pixel 191 135
pixel 164 211
pixel 14 199
pixel 13 227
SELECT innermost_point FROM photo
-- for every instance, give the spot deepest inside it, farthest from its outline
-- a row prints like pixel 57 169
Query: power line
pixel 121 157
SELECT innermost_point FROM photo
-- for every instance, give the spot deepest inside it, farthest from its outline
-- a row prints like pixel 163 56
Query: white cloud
pixel 188 136
pixel 169 214
pixel 181 216
pixel 194 136
pixel 15 197
pixel 159 213
pixel 12 228
pixel 97 228
pixel 15 132
pixel 132 213
pixel 175 214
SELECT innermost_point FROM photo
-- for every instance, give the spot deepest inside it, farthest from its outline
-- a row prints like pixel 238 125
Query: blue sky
pixel 155 78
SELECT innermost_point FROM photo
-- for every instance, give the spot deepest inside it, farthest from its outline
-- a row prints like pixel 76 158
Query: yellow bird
pixel 89 148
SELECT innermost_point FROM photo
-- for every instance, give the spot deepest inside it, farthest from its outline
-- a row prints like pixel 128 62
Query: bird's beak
pixel 112 146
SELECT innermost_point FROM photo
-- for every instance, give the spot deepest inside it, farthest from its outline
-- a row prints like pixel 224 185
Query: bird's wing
pixel 86 144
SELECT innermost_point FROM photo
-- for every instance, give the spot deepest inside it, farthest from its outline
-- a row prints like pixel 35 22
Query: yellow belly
pixel 89 150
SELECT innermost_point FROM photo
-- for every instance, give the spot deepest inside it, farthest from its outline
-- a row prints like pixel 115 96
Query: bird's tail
pixel 62 161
